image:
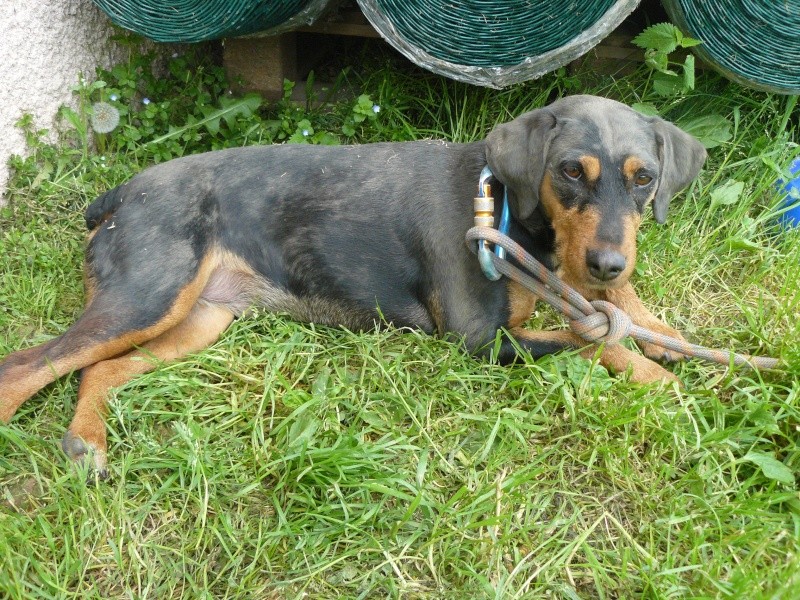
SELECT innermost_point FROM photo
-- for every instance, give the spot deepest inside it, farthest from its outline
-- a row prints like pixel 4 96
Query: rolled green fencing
pixel 200 20
pixel 494 43
pixel 754 42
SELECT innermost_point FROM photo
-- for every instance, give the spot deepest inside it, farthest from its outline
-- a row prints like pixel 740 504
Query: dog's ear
pixel 681 157
pixel 517 152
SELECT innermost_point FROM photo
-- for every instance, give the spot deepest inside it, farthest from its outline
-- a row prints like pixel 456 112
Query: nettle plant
pixel 658 42
pixel 670 81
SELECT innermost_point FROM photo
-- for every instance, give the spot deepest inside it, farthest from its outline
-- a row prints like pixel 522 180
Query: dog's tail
pixel 103 207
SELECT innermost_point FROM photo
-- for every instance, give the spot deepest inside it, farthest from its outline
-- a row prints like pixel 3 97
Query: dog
pixel 358 235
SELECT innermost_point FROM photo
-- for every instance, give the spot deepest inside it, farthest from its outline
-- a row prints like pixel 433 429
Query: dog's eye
pixel 572 170
pixel 642 179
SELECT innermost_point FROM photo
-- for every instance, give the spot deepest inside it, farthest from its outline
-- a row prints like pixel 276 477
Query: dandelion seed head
pixel 105 117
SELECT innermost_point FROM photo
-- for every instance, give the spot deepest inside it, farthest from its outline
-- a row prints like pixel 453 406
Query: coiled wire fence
pixel 201 20
pixel 753 42
pixel 494 43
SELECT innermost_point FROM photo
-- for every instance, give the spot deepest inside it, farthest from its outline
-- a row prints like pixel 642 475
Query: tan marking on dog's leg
pixel 86 437
pixel 564 337
pixel 626 299
pixel 25 372
pixel 520 304
pixel 436 311
pixel 18 382
pixel 89 288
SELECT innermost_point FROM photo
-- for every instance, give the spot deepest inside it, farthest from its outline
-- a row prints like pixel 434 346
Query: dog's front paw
pixel 86 453
pixel 659 353
pixel 653 373
pixel 619 359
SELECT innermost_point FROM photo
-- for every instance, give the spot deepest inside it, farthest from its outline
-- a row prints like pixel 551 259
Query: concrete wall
pixel 44 45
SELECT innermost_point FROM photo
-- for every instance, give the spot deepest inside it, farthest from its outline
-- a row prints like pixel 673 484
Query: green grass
pixel 291 460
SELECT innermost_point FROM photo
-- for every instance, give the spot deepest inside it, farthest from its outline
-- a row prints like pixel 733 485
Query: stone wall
pixel 44 45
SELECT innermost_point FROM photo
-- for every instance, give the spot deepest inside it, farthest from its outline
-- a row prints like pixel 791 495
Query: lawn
pixel 291 460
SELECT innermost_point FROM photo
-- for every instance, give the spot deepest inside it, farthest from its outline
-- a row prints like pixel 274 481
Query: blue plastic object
pixel 790 218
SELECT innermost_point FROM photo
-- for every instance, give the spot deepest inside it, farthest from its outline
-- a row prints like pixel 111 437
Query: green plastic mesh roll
pixel 494 42
pixel 200 20
pixel 754 42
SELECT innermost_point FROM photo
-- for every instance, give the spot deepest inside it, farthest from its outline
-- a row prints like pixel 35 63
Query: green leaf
pixel 771 467
pixel 667 84
pixel 688 72
pixel 657 60
pixel 305 124
pixel 212 126
pixel 252 101
pixel 763 417
pixel 645 108
pixel 726 194
pixel 322 384
pixel 325 139
pixel 297 138
pixel 230 109
pixel 310 79
pixel 710 130
pixel 302 431
pixel 741 243
pixel 132 133
pixel 664 37
pixel 688 42
pixel 364 103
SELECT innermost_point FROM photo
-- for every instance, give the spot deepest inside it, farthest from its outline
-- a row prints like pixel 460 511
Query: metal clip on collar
pixel 484 217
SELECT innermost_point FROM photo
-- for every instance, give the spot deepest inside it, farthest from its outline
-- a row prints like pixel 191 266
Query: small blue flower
pixel 145 101
pixel 114 97
pixel 376 109
pixel 305 132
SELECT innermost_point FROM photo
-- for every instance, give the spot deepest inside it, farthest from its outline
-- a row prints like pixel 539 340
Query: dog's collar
pixel 484 217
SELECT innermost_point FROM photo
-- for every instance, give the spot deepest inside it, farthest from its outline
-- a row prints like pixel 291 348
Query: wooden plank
pixel 348 22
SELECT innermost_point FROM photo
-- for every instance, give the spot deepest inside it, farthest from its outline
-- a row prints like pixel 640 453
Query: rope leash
pixel 597 321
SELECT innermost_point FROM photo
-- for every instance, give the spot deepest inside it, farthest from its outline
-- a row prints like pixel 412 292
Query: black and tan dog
pixel 345 235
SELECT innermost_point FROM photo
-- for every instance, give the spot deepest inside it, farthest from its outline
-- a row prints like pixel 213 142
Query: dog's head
pixel 593 165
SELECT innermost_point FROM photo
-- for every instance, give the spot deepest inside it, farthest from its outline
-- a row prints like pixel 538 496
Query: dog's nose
pixel 605 265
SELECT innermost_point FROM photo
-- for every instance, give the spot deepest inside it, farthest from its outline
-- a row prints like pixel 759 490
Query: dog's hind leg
pixel 114 322
pixel 25 372
pixel 86 438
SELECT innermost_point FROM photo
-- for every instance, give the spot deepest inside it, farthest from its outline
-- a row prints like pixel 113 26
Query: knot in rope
pixel 598 321
pixel 607 324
